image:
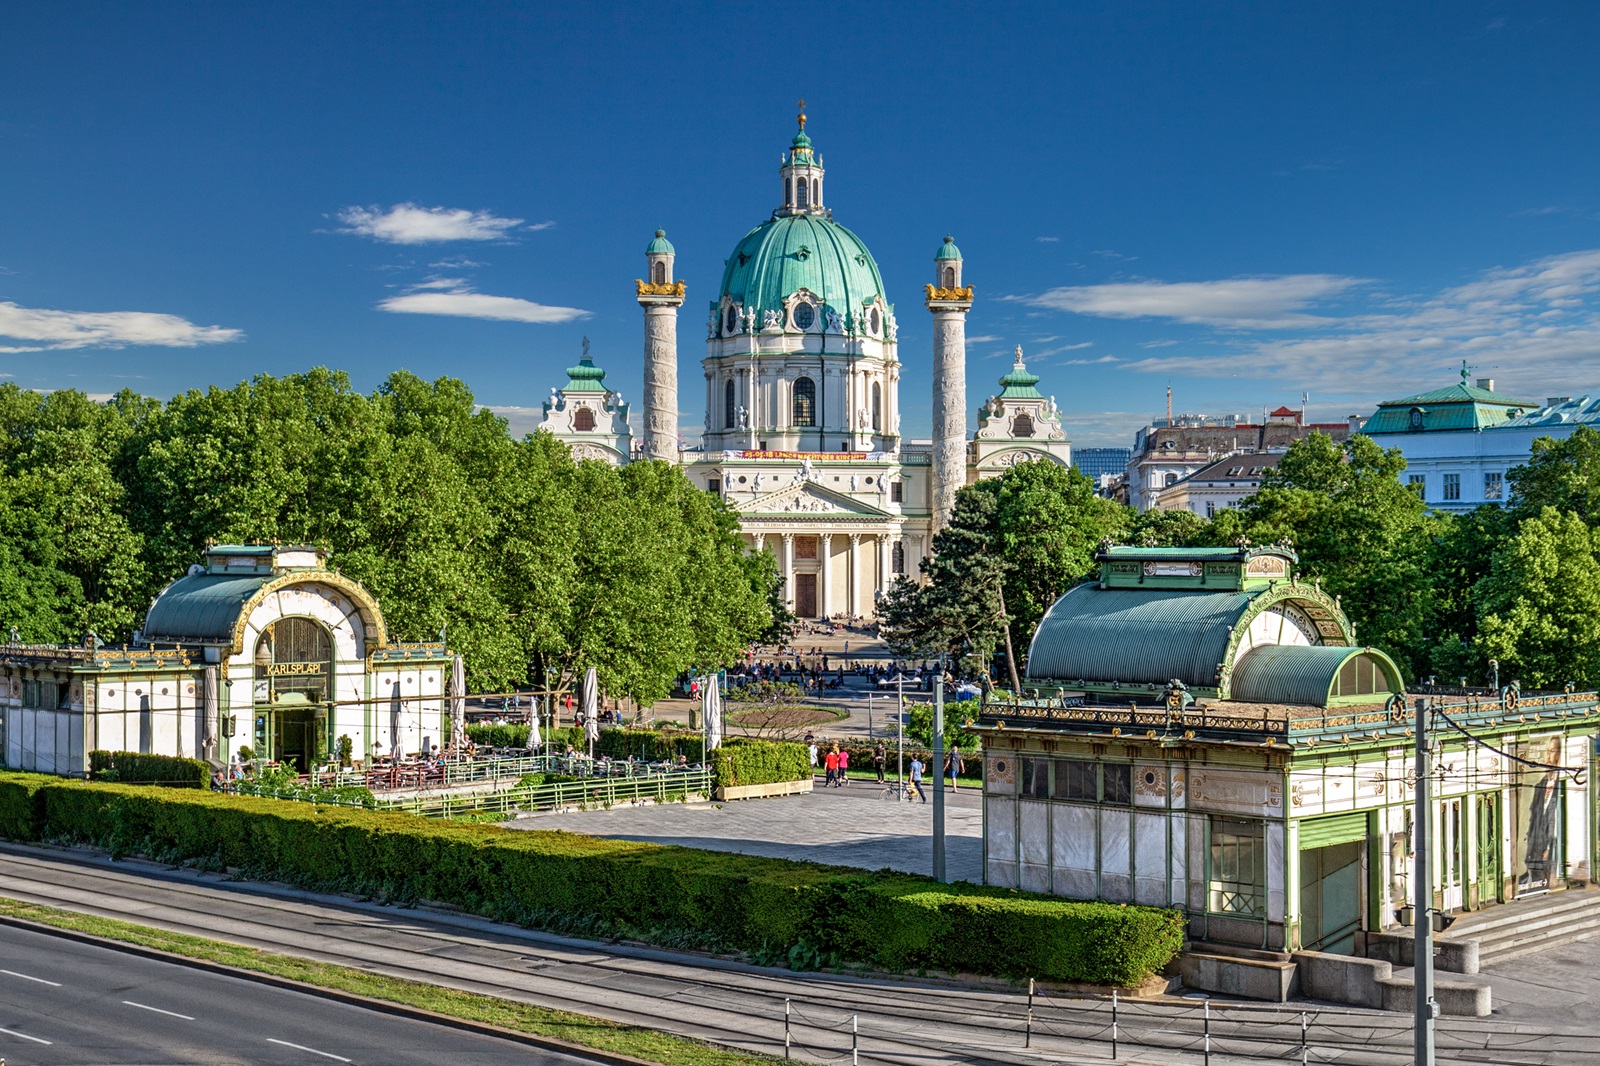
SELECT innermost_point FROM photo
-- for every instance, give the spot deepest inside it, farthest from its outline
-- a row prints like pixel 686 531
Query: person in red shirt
pixel 844 764
pixel 831 761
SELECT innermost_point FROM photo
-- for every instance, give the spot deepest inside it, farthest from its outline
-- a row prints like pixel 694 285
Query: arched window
pixel 949 277
pixel 1171 480
pixel 800 193
pixel 899 553
pixel 661 273
pixel 733 319
pixel 805 402
pixel 1022 426
pixel 877 406
pixel 583 419
pixel 728 405
pixel 788 194
pixel 816 190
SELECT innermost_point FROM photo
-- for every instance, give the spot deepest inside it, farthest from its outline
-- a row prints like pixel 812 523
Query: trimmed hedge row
pixel 651 745
pixel 502 735
pixel 748 761
pixel 564 880
pixel 132 768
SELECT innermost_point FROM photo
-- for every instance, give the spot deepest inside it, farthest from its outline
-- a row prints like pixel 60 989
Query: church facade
pixel 802 374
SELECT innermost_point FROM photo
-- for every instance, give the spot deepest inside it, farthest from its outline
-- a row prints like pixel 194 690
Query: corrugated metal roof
pixel 1289 674
pixel 201 607
pixel 1136 635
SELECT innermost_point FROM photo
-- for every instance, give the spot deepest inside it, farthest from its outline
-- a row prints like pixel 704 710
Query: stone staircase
pixel 1524 926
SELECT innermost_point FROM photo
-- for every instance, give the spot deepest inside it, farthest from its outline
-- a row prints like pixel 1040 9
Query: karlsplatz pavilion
pixel 1200 729
pixel 258 646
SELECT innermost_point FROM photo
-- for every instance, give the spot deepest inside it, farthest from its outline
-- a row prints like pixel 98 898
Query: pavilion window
pixel 1237 881
pixel 805 402
pixel 1117 779
pixel 661 273
pixel 1036 778
pixel 1077 779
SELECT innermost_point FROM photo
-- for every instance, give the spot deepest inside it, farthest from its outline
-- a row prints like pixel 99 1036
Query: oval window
pixel 804 315
pixel 733 319
pixel 877 323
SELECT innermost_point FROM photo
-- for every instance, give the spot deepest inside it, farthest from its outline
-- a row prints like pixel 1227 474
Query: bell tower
pixel 660 296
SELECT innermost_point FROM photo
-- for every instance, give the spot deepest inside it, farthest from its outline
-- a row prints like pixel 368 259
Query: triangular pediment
pixel 809 498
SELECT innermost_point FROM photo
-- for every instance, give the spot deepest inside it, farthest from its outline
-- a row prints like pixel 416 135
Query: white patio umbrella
pixel 591 707
pixel 534 740
pixel 395 710
pixel 458 704
pixel 711 707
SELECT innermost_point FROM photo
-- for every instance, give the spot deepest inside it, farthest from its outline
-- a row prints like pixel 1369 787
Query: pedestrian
pixel 953 766
pixel 916 779
pixel 879 758
pixel 831 761
pixel 811 746
pixel 844 765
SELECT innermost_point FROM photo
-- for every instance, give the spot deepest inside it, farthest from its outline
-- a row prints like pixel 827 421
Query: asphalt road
pixel 74 1004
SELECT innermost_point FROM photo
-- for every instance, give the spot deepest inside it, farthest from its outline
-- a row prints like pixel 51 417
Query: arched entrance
pixel 293 682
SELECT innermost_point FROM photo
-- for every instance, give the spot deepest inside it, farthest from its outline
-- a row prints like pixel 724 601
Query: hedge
pixel 652 745
pixel 516 736
pixel 133 768
pixel 596 886
pixel 748 761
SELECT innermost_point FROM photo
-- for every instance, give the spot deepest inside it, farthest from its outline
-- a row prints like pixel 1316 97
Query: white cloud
pixel 460 301
pixel 457 262
pixel 1089 362
pixel 1241 303
pixel 42 330
pixel 410 223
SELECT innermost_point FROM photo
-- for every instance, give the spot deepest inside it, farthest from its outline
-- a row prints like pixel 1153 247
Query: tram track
pixel 739 1006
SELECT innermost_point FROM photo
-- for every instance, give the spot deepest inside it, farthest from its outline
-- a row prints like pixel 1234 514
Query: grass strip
pixel 597 1033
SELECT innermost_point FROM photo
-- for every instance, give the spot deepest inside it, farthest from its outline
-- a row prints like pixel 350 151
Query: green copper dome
pixel 660 246
pixel 948 249
pixel 802 252
pixel 585 377
pixel 1019 383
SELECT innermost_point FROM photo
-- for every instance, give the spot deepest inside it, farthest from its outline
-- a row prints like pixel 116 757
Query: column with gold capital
pixel 949 301
pixel 660 295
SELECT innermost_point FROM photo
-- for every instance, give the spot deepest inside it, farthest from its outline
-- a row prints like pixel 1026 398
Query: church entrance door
pixel 805 595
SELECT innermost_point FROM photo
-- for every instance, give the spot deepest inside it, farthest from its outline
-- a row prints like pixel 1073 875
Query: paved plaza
pixel 850 826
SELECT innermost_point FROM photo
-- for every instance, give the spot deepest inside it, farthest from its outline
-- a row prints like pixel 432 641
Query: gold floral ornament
pixel 939 292
pixel 669 288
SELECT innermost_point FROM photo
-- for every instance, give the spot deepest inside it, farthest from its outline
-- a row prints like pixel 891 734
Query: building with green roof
pixel 1019 424
pixel 259 647
pixel 1200 728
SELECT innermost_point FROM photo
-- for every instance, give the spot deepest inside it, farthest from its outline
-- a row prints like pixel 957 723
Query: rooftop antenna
pixel 1169 406
pixel 1305 404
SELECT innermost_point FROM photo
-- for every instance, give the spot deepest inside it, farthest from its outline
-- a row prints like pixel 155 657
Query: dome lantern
pixel 802 174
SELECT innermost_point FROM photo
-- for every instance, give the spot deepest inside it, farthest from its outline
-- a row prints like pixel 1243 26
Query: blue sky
pixel 1242 200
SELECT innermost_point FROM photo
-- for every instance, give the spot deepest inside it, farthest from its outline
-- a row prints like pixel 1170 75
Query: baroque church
pixel 802 382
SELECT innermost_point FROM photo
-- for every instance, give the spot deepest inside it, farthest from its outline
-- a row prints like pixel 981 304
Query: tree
pixel 1013 545
pixel 1539 608
pixel 1564 474
pixel 1461 555
pixel 1359 531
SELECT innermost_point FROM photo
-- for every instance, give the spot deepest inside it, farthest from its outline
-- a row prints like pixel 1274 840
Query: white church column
pixel 788 570
pixel 825 548
pixel 949 302
pixel 884 563
pixel 855 575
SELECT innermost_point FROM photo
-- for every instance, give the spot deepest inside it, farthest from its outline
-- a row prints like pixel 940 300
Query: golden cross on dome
pixel 802 106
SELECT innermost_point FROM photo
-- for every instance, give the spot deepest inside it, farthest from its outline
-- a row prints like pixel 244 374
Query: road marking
pixel 158 1010
pixel 36 1040
pixel 25 977
pixel 302 1047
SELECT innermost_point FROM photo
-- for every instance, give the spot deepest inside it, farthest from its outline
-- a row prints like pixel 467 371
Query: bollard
pixel 1305 1048
pixel 1208 1032
pixel 855 1039
pixel 786 1009
pixel 1113 1025
pixel 1027 1041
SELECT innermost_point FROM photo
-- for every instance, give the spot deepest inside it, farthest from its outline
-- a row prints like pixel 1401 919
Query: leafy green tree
pixel 1564 474
pixel 1166 529
pixel 1461 555
pixel 1359 531
pixel 1539 607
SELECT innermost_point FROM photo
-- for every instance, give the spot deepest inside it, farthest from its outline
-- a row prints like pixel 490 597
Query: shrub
pixel 132 768
pixel 919 724
pixel 591 886
pixel 748 761
pixel 651 745
pixel 516 736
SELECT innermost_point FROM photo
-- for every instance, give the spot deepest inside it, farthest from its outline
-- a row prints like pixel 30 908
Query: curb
pixel 383 1006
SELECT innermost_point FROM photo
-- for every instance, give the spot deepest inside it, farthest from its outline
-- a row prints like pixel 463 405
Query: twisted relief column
pixel 661 297
pixel 949 303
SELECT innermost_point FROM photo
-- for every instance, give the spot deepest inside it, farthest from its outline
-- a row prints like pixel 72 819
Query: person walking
pixel 879 758
pixel 811 746
pixel 844 766
pixel 916 778
pixel 831 761
pixel 953 767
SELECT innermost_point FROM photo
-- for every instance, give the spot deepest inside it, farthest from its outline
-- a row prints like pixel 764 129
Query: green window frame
pixel 1237 878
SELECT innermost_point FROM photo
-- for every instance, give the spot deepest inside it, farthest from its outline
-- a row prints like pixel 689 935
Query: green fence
pixel 589 792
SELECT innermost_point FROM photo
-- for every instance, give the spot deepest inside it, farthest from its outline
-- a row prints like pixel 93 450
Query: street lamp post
pixel 1422 920
pixel 938 772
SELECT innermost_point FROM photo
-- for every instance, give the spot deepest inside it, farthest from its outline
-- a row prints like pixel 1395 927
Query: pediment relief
pixel 808 498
